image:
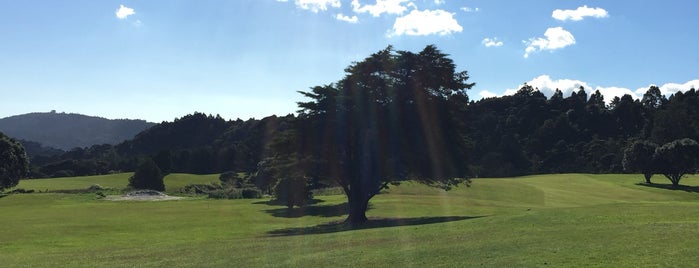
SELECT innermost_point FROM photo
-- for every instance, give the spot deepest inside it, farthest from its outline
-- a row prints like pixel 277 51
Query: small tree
pixel 147 176
pixel 676 158
pixel 638 157
pixel 14 164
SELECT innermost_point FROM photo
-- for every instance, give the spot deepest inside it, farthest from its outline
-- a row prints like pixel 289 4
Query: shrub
pixel 147 176
pixel 200 188
pixel 293 192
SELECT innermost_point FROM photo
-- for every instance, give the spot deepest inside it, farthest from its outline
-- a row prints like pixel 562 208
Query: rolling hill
pixel 66 130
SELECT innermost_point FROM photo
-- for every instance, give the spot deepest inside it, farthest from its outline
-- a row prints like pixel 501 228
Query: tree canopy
pixel 14 164
pixel 677 158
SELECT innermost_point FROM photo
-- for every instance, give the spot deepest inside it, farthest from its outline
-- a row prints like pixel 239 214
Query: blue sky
pixel 162 59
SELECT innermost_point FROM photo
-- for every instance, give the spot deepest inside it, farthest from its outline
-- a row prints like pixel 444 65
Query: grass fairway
pixel 535 221
pixel 119 181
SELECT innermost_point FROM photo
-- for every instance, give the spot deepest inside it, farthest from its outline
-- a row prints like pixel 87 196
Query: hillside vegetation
pixel 67 131
pixel 555 220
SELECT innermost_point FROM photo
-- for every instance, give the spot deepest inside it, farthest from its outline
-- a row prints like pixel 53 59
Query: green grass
pixel 173 182
pixel 535 221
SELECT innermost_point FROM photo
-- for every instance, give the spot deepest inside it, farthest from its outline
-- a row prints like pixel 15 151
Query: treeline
pixel 525 133
pixel 196 143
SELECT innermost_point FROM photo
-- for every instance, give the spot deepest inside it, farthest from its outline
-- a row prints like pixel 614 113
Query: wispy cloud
pixel 352 19
pixel 395 7
pixel 556 38
pixel 470 9
pixel 579 14
pixel 316 5
pixel 426 22
pixel 439 2
pixel 123 12
pixel 492 42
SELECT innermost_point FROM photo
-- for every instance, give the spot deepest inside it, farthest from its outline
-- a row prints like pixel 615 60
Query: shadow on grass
pixel 322 211
pixel 686 188
pixel 334 227
pixel 274 202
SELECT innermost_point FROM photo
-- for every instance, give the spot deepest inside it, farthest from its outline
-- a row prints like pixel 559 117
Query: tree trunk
pixel 675 179
pixel 358 205
pixel 648 176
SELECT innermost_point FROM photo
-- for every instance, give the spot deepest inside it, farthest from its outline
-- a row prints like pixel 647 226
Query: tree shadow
pixel 322 211
pixel 334 227
pixel 275 202
pixel 686 188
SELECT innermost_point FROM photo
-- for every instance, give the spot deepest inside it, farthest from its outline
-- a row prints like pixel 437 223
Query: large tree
pixel 677 158
pixel 14 163
pixel 638 157
pixel 392 117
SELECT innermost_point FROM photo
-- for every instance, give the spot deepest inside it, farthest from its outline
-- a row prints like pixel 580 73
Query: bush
pixel 235 193
pixel 95 188
pixel 147 176
pixel 293 192
pixel 200 188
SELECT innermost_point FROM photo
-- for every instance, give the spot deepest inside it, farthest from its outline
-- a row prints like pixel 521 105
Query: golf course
pixel 557 220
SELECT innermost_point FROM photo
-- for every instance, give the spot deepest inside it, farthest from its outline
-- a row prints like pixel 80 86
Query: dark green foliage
pixel 200 188
pixel 147 176
pixel 677 158
pixel 638 157
pixel 14 164
pixel 234 179
pixel 292 191
pixel 677 118
pixel 235 193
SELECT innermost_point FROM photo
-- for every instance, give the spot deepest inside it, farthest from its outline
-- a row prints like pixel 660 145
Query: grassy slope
pixel 560 220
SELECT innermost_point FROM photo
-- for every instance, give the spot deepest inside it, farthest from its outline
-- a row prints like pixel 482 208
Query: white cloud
pixel 579 13
pixel 317 5
pixel 486 94
pixel 556 38
pixel 395 7
pixel 426 22
pixel 470 9
pixel 671 88
pixel 492 42
pixel 610 92
pixel 124 12
pixel 547 86
pixel 349 19
pixel 439 2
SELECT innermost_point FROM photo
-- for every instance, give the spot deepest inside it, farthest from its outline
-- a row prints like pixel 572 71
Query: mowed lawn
pixel 535 221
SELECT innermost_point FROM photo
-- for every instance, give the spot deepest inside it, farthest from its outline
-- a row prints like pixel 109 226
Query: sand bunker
pixel 142 195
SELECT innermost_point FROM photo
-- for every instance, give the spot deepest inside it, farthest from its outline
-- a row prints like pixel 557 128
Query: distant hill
pixel 66 131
